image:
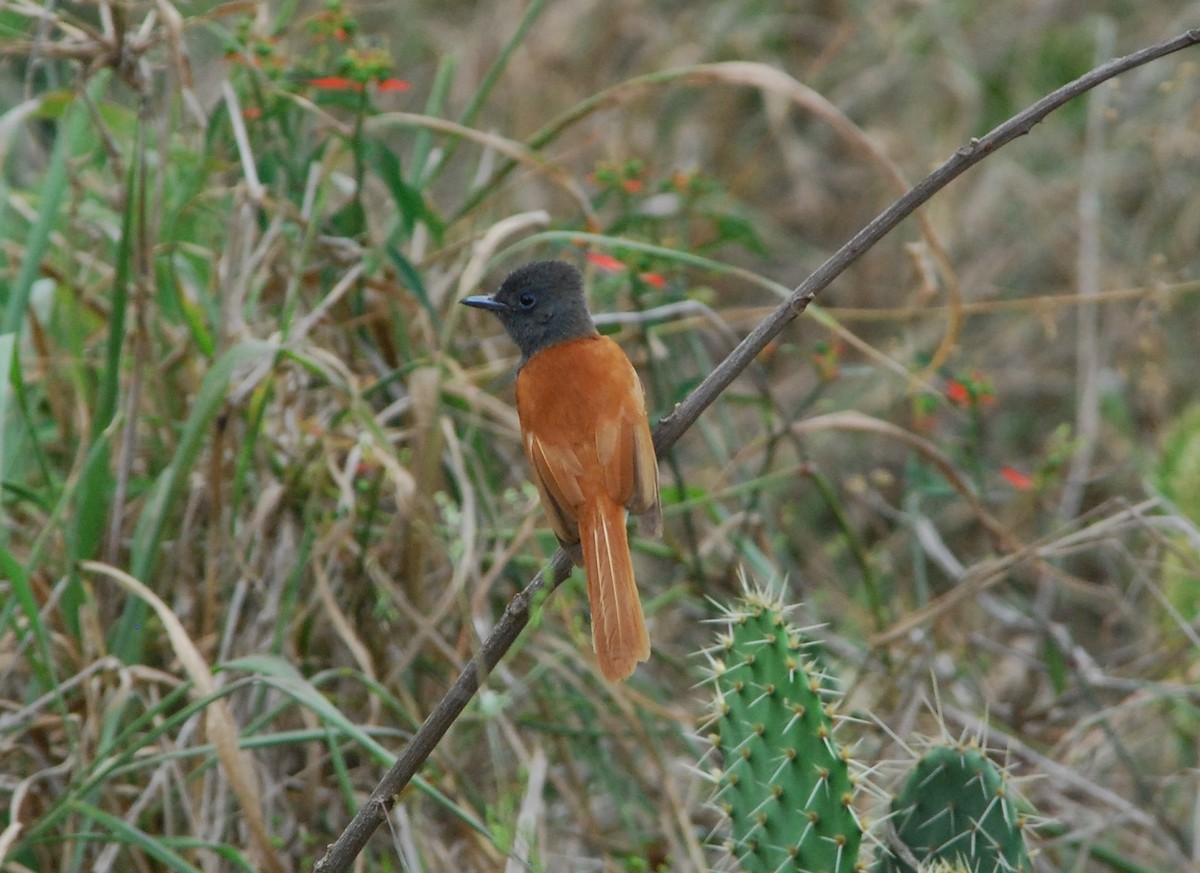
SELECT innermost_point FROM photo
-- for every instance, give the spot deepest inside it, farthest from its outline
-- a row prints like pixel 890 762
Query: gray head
pixel 540 304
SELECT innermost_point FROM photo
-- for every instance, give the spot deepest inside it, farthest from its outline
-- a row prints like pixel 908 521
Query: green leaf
pixel 410 202
pixel 1056 665
pixel 54 104
pixel 350 220
pixel 412 277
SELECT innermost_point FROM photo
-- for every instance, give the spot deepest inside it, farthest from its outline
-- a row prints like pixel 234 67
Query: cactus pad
pixel 785 784
pixel 955 808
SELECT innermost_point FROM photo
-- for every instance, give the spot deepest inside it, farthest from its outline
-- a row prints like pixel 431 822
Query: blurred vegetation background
pixel 263 493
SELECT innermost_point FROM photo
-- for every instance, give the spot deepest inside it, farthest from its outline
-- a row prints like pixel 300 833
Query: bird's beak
pixel 491 304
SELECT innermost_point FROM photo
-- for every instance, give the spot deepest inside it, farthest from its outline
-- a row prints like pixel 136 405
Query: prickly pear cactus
pixel 1178 478
pixel 954 808
pixel 785 784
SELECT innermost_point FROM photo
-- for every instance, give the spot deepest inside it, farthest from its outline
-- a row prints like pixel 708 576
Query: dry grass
pixel 262 487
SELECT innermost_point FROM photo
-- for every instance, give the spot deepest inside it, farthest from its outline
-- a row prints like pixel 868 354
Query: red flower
pixel 958 392
pixel 252 112
pixel 335 83
pixel 607 263
pixel 654 279
pixel 633 186
pixel 393 85
pixel 1017 479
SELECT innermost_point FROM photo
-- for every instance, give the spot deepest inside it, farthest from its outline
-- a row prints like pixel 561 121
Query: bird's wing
pixel 639 459
pixel 556 472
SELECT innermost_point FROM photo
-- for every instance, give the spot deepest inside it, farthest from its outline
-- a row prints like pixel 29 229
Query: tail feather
pixel 618 627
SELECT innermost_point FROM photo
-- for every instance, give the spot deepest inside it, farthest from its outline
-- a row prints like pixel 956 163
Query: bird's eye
pixel 527 300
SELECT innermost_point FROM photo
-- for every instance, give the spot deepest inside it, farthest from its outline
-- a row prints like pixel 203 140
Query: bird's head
pixel 540 304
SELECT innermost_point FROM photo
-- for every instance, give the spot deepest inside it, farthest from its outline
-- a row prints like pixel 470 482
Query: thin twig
pixel 342 853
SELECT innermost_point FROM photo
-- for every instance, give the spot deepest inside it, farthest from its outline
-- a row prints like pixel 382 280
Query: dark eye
pixel 527 300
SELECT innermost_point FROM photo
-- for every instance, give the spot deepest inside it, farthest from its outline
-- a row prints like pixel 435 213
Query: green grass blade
pixel 51 190
pixel 94 494
pixel 24 599
pixel 421 171
pixel 8 347
pixel 134 837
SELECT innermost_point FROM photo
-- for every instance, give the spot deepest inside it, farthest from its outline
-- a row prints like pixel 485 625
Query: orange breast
pixel 583 416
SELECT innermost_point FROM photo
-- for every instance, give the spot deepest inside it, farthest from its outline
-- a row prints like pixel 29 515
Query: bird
pixel 587 438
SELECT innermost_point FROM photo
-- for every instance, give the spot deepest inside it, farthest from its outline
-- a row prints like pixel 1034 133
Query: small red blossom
pixel 607 263
pixel 252 112
pixel 972 389
pixel 654 279
pixel 393 85
pixel 1018 480
pixel 632 186
pixel 336 83
pixel 958 392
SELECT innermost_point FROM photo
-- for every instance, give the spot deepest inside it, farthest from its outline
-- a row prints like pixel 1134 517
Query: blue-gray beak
pixel 491 304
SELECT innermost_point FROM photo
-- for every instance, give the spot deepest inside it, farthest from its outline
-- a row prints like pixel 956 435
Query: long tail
pixel 618 627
